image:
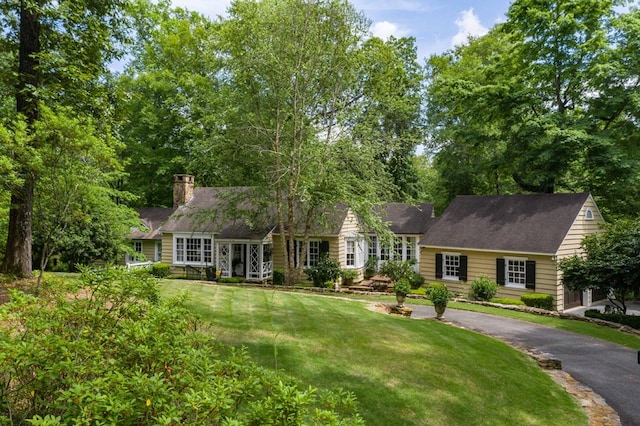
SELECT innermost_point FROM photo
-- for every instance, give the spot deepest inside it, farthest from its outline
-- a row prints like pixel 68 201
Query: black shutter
pixel 324 248
pixel 462 271
pixel 500 271
pixel 438 265
pixel 530 280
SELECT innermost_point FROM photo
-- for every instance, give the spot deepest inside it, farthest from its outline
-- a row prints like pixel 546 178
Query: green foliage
pixel 160 270
pixel 515 110
pixel 629 320
pixel 610 263
pixel 416 280
pixel 538 300
pixel 438 293
pixel 483 289
pixel 397 269
pixel 278 277
pixel 326 269
pixel 371 267
pixel 114 354
pixel 507 301
pixel 231 280
pixel 402 286
pixel 349 274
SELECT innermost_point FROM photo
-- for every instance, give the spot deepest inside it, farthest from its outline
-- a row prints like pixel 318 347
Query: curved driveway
pixel 610 370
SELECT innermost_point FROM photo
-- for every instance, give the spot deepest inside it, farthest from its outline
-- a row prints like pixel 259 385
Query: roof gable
pixel 535 223
pixel 152 218
pixel 406 218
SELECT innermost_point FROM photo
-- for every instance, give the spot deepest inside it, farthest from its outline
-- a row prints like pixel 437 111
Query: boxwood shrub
pixel 278 277
pixel 160 270
pixel 483 288
pixel 628 320
pixel 538 300
pixel 507 301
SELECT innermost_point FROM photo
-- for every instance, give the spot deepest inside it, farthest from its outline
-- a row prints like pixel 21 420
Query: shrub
pixel 116 354
pixel 348 275
pixel 438 293
pixel 396 269
pixel 416 280
pixel 231 280
pixel 538 300
pixel 325 270
pixel 371 267
pixel 402 286
pixel 507 301
pixel 483 289
pixel 160 270
pixel 628 320
pixel 278 277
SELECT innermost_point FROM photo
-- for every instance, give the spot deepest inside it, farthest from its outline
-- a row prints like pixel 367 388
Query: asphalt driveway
pixel 610 370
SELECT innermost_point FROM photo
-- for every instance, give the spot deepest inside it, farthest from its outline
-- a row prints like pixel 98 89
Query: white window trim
pixel 506 272
pixel 201 237
pixel 359 253
pixel 299 244
pixel 444 268
pixel 391 252
pixel 588 214
pixel 157 251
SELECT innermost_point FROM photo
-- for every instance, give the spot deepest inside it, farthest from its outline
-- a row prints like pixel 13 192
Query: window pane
pixel 208 257
pixel 373 247
pixel 180 249
pixel 411 248
pixel 351 253
pixel 451 267
pixel 194 250
pixel 397 249
pixel 314 253
pixel 516 272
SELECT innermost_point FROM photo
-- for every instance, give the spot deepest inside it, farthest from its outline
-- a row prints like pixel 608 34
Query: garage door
pixel 572 298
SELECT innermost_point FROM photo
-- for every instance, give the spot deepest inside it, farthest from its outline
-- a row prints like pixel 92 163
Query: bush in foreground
pixel 107 351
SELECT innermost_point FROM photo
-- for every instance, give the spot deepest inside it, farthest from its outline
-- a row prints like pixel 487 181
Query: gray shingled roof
pixel 535 223
pixel 229 213
pixel 407 219
pixel 151 218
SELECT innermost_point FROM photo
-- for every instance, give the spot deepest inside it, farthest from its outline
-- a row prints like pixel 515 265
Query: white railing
pixel 139 265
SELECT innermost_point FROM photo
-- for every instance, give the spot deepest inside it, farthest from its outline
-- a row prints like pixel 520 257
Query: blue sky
pixel 437 25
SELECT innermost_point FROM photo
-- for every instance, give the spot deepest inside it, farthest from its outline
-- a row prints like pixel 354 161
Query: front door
pixel 572 298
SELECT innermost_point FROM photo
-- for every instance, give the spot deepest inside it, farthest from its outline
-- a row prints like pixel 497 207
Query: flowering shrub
pixel 106 350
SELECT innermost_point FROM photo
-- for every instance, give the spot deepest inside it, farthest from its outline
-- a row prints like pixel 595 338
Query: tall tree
pixel 389 114
pixel 537 107
pixel 58 53
pixel 169 103
pixel 291 71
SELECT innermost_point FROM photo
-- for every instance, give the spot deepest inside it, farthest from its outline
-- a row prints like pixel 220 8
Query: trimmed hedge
pixel 507 301
pixel 538 300
pixel 231 280
pixel 632 321
pixel 483 289
pixel 278 277
pixel 160 270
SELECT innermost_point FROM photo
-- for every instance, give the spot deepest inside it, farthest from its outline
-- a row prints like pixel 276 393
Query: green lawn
pixel 403 371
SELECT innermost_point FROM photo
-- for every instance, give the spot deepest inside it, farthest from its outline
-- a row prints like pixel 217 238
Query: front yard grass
pixel 402 371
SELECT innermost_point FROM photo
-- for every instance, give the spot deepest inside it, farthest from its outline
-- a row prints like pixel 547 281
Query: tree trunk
pixel 17 259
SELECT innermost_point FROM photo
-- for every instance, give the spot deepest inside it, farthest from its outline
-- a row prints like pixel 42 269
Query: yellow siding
pixel 149 249
pixel 481 263
pixel 581 228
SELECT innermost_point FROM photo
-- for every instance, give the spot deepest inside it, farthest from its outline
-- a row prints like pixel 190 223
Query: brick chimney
pixel 182 190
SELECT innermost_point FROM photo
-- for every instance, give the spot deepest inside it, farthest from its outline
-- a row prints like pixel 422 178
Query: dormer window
pixel 588 215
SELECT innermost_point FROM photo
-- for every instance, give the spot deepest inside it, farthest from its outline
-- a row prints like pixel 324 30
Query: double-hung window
pixel 451 266
pixel 350 253
pixel 193 250
pixel 516 272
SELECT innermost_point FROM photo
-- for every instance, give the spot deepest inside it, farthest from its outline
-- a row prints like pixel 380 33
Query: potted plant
pixel 401 288
pixel 439 295
pixel 348 275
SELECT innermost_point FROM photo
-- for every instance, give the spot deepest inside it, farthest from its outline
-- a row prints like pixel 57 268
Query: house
pixel 516 240
pixel 244 241
pixel 147 238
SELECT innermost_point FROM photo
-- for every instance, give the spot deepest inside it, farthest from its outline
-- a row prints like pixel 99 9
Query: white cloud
pixel 385 29
pixel 468 25
pixel 397 5
pixel 208 8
